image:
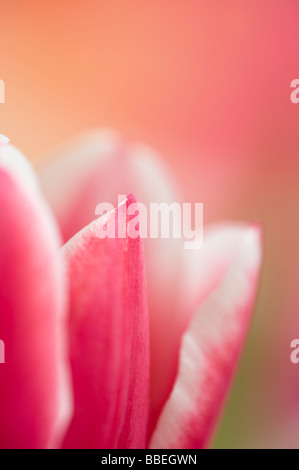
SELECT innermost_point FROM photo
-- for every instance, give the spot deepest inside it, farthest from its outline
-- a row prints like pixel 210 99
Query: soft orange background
pixel 207 83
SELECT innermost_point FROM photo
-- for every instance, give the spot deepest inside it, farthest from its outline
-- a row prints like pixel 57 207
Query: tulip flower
pixel 113 342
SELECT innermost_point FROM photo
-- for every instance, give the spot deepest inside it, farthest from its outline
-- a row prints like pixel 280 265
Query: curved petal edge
pixel 209 352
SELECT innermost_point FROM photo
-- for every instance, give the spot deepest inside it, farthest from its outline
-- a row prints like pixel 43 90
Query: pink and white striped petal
pixel 109 338
pixel 97 168
pixel 35 400
pixel 210 350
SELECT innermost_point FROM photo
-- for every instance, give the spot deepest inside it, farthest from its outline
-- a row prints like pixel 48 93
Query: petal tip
pixel 130 199
pixel 253 238
pixel 14 163
pixel 3 140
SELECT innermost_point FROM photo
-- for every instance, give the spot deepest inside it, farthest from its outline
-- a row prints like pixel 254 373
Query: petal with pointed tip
pixel 108 329
pixel 97 168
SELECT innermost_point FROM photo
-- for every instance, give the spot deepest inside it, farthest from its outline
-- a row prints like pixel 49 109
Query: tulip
pixel 113 342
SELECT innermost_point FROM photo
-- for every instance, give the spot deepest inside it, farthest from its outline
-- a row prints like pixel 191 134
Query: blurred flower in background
pixel 208 86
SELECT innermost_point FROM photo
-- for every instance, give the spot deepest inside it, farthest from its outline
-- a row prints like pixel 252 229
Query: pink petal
pixel 99 167
pixel 34 393
pixel 96 168
pixel 108 339
pixel 201 272
pixel 210 349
